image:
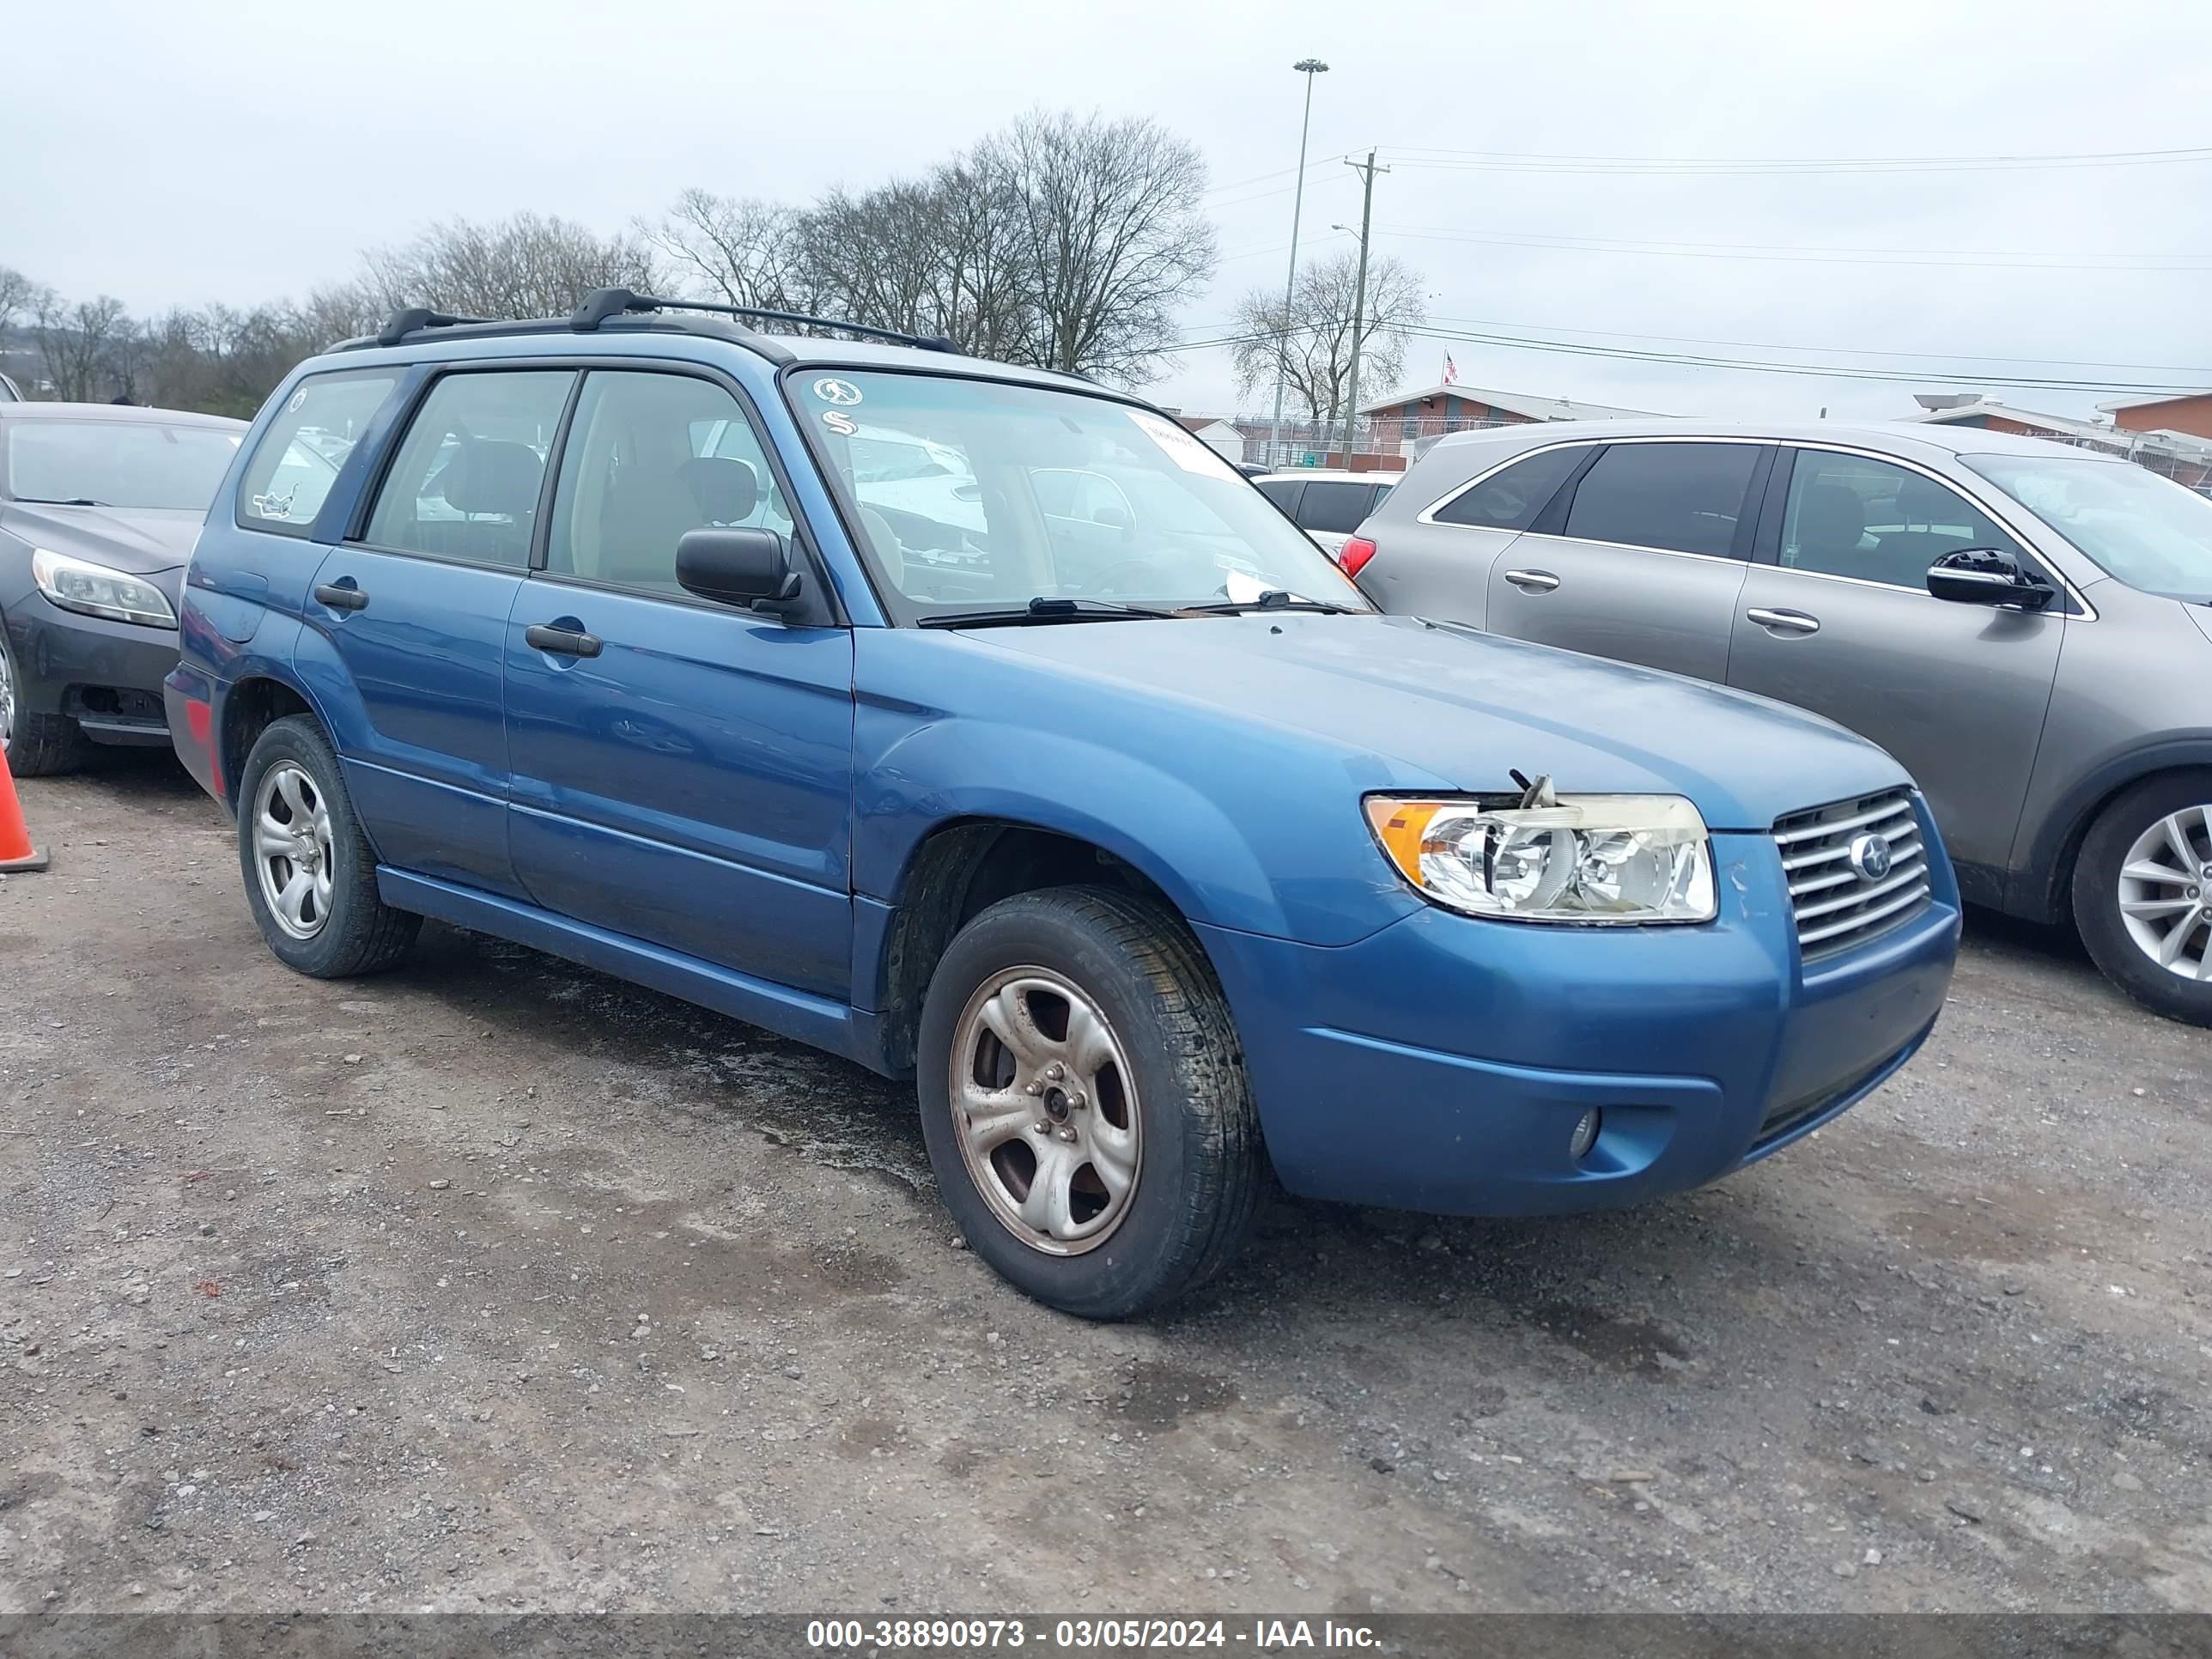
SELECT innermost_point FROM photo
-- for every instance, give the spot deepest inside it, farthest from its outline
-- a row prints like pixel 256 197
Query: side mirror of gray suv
pixel 1983 576
pixel 749 568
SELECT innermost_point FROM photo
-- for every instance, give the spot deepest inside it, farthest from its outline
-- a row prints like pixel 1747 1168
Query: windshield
pixel 116 463
pixel 976 494
pixel 2150 532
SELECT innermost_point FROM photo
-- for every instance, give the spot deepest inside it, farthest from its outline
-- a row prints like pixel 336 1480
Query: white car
pixel 1328 504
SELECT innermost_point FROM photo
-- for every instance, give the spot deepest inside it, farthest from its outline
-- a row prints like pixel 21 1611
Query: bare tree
pixel 74 341
pixel 1312 340
pixel 1112 236
pixel 529 265
pixel 742 251
pixel 17 293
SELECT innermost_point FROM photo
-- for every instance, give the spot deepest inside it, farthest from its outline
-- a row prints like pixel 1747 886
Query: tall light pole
pixel 1308 67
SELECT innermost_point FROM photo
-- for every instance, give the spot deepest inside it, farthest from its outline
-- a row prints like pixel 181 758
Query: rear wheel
pixel 310 874
pixel 37 745
pixel 2142 894
pixel 1085 1102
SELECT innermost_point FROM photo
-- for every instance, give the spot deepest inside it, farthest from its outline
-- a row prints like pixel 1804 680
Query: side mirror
pixel 751 567
pixel 1983 576
pixel 1113 517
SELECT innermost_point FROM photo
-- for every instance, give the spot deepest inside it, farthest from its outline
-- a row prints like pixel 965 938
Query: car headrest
pixel 492 475
pixel 1832 516
pixel 726 488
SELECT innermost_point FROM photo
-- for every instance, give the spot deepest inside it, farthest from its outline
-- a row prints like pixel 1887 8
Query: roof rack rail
pixel 401 324
pixel 602 303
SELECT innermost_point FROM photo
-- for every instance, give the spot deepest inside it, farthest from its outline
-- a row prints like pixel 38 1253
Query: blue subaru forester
pixel 981 725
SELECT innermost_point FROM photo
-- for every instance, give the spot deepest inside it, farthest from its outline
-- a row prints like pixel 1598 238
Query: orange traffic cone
pixel 16 852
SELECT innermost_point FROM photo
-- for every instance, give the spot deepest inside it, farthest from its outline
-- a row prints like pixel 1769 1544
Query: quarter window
pixel 1683 497
pixel 648 457
pixel 1510 498
pixel 466 482
pixel 1852 515
pixel 301 450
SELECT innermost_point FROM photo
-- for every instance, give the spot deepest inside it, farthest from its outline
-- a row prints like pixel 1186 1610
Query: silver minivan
pixel 2027 626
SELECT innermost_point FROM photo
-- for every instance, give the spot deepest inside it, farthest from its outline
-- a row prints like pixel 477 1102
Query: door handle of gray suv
pixel 1532 582
pixel 1786 621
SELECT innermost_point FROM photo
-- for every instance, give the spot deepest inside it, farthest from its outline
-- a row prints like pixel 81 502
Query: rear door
pixel 682 769
pixel 1640 558
pixel 414 608
pixel 1436 561
pixel 1835 616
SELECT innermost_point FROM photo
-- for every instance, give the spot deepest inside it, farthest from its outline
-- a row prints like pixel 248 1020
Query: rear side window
pixel 1683 497
pixel 297 461
pixel 465 481
pixel 1336 508
pixel 1510 498
pixel 1284 492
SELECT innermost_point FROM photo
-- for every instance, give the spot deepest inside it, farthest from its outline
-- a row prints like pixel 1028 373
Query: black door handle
pixel 563 642
pixel 341 597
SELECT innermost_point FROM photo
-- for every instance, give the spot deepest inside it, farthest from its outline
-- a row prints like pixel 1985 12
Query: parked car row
pixel 2026 627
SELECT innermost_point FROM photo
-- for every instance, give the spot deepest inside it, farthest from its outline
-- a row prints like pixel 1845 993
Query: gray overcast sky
pixel 187 154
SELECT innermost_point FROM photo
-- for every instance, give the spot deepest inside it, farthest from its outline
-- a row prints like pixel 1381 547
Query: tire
pixel 348 930
pixel 38 745
pixel 1196 1165
pixel 2117 843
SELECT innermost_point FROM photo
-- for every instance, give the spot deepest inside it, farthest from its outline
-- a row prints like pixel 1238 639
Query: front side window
pixel 1336 508
pixel 297 461
pixel 134 464
pixel 2148 531
pixel 1686 498
pixel 981 494
pixel 648 457
pixel 1852 516
pixel 465 481
pixel 1511 497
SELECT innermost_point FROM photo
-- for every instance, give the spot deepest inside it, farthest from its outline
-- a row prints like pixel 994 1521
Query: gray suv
pixel 2027 627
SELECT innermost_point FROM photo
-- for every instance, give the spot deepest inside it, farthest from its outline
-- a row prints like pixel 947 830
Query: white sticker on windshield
pixel 1185 451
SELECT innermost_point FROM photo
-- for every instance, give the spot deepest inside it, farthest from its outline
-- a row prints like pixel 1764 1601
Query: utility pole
pixel 1308 67
pixel 1367 170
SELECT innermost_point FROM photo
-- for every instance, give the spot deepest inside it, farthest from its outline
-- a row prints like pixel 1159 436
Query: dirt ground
pixel 494 1285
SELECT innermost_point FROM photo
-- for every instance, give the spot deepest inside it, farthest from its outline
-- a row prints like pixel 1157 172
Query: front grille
pixel 1838 905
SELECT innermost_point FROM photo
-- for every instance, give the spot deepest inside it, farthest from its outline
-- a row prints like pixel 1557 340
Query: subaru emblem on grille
pixel 1870 856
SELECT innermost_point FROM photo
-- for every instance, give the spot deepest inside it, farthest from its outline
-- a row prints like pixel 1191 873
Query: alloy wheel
pixel 1044 1105
pixel 291 830
pixel 7 698
pixel 2166 892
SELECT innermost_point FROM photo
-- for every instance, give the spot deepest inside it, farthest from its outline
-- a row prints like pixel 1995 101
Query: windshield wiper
pixel 1274 598
pixel 61 501
pixel 1045 608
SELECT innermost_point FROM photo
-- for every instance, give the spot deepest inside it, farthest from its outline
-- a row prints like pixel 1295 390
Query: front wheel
pixel 2142 894
pixel 1085 1102
pixel 310 874
pixel 34 746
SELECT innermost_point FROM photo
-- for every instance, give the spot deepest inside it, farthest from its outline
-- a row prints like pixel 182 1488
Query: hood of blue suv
pixel 138 541
pixel 1460 710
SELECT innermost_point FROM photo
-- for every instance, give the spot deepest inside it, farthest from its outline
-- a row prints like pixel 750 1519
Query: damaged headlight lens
pixel 1587 858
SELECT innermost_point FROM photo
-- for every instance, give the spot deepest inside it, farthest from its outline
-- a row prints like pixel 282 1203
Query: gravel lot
pixel 494 1285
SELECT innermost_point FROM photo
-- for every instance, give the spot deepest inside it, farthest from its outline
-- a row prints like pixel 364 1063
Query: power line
pixel 1776 252
pixel 1524 161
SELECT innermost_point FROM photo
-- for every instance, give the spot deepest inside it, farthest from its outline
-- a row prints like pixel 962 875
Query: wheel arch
pixel 2042 892
pixel 261 696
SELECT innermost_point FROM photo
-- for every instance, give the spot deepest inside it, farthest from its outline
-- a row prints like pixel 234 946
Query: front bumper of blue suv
pixel 1701 1048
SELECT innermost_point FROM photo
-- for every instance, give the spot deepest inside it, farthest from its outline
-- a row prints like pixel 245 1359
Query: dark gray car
pixel 2023 624
pixel 100 505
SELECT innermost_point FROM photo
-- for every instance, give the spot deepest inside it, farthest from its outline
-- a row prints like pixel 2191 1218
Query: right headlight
pixel 1587 859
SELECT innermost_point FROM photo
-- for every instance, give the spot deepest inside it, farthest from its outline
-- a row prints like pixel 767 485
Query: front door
pixel 1639 559
pixel 689 781
pixel 415 610
pixel 1835 616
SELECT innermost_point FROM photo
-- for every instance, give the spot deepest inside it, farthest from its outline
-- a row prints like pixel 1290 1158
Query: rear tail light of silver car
pixel 1357 550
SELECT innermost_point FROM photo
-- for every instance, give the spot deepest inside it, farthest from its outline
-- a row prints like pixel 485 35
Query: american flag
pixel 1451 370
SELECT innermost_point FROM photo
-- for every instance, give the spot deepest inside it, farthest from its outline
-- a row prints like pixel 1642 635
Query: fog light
pixel 1585 1134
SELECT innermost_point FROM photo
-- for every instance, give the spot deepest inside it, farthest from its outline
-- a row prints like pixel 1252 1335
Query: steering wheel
pixel 1108 580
